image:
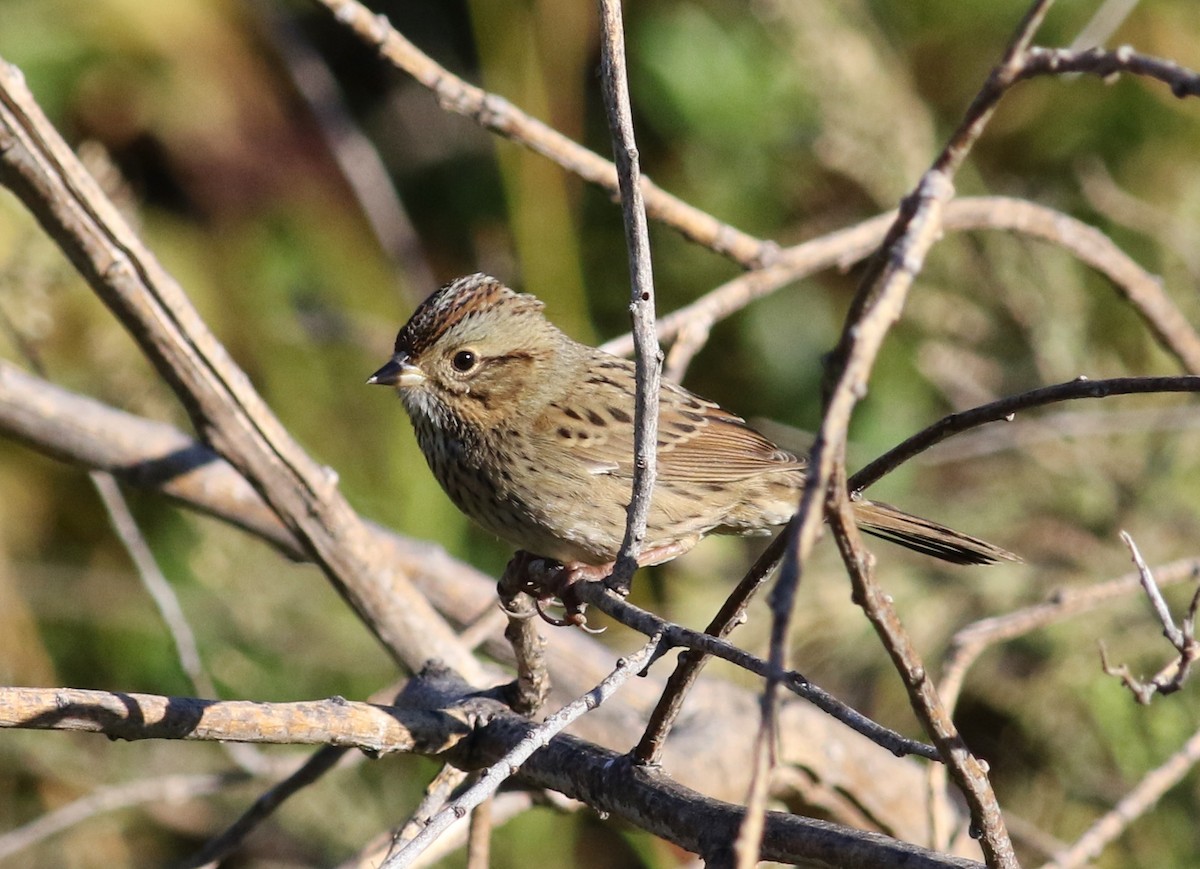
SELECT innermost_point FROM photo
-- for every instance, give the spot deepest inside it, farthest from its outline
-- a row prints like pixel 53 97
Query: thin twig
pixel 1132 806
pixel 169 608
pixel 970 642
pixel 732 613
pixel 647 355
pixel 846 247
pixel 1173 633
pixel 495 113
pixel 538 737
pixel 437 794
pixel 159 789
pixel 1073 426
pixel 1183 637
pixel 876 307
pixel 872 314
pixel 1109 64
pixel 230 839
pixel 505 806
pixel 156 584
pixel 1004 409
pixel 673 635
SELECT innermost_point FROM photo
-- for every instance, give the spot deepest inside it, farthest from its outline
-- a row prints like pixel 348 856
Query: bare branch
pixel 370 727
pixel 845 247
pixel 1132 806
pixel 508 765
pixel 437 711
pixel 687 671
pixel 674 635
pixel 1109 64
pixel 1004 409
pixel 505 807
pixel 494 113
pixel 46 176
pixel 876 307
pixel 648 356
pixel 1171 678
pixel 970 642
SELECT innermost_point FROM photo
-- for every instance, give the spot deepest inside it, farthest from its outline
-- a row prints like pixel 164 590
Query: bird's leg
pixel 545 579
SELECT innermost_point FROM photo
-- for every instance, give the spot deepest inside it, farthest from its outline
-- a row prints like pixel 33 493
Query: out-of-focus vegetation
pixel 783 118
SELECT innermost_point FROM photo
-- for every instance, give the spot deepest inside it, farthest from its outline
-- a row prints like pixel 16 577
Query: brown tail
pixel 930 538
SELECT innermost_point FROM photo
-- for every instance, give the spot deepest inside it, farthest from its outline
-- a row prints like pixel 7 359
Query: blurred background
pixel 226 129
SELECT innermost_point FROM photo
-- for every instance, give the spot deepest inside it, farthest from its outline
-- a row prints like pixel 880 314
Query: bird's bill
pixel 398 371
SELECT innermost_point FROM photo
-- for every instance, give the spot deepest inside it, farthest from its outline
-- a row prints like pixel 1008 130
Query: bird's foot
pixel 547 580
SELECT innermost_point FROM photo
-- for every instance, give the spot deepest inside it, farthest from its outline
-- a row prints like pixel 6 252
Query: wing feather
pixel 698 441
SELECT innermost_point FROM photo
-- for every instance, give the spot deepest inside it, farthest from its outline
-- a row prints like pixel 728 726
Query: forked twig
pixel 539 736
pixel 1183 637
pixel 876 307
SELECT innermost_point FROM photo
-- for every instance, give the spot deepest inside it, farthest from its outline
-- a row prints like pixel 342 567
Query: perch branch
pixel 648 356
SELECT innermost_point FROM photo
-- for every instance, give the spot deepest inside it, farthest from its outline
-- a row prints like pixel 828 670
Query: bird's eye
pixel 465 360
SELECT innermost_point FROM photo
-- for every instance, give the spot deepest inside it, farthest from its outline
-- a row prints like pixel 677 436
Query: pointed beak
pixel 398 372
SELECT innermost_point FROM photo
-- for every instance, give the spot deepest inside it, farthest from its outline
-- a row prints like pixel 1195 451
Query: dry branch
pixel 86 432
pixel 648 356
pixel 47 177
pixel 370 727
pixel 434 715
pixel 493 112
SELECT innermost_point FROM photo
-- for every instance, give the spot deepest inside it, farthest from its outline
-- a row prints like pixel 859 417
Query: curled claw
pixel 513 612
pixel 546 580
pixel 554 620
pixel 573 611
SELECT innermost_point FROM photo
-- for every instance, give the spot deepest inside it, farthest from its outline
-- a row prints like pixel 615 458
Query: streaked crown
pixel 458 306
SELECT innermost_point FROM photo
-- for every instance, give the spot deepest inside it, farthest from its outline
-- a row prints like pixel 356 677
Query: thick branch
pixel 373 728
pixel 437 711
pixel 43 172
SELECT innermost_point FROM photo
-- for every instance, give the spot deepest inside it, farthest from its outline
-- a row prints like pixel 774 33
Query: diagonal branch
pixel 45 175
pixel 875 308
pixel 495 113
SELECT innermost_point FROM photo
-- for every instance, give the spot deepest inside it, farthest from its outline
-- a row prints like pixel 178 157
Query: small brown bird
pixel 531 435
